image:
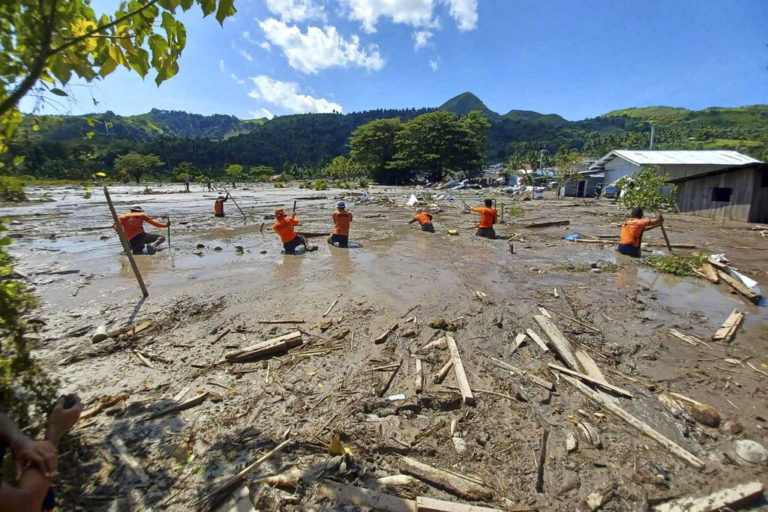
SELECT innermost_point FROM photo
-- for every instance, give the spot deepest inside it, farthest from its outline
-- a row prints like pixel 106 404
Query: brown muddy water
pixel 400 274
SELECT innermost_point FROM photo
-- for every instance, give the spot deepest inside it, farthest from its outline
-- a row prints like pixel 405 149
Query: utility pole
pixel 653 132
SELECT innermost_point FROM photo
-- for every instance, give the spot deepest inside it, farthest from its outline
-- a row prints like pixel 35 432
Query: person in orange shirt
pixel 284 227
pixel 341 219
pixel 218 207
pixel 424 219
pixel 632 232
pixel 133 226
pixel 488 218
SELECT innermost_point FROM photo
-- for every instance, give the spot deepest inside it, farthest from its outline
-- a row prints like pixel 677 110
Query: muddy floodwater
pixel 214 287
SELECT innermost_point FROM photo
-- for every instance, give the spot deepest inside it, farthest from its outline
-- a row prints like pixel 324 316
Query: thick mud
pixel 333 383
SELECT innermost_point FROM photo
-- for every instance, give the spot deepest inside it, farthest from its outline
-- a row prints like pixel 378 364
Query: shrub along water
pixel 11 189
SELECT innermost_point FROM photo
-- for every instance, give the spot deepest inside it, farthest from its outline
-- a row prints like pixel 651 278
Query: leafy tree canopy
pixel 136 165
pixel 647 189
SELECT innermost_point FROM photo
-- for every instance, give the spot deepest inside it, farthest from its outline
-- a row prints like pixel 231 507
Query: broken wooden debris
pixel 419 376
pixel 383 337
pixel 327 311
pixel 143 359
pixel 424 504
pixel 458 368
pixel 537 339
pixel 710 273
pixel 519 340
pixel 691 340
pixel 597 382
pixel 590 433
pixel 728 329
pixel 548 224
pixel 643 427
pixel 127 459
pixel 717 500
pixel 362 497
pixel 384 387
pixel 461 485
pixel 192 402
pixel 274 322
pixel 439 343
pixel 274 345
pixel 739 287
pixel 221 335
pixel 528 375
pixel 574 320
pixel 561 344
pixel 600 497
pixel 541 461
pixel 571 443
pixel 443 372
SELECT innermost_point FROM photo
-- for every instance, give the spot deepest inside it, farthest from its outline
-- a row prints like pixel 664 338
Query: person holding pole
pixel 424 219
pixel 218 208
pixel 632 232
pixel 284 227
pixel 488 217
pixel 341 220
pixel 133 226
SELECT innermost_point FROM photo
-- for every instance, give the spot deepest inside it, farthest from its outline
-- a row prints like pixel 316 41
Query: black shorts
pixel 629 250
pixel 290 247
pixel 219 215
pixel 427 226
pixel 138 242
pixel 342 240
pixel 486 232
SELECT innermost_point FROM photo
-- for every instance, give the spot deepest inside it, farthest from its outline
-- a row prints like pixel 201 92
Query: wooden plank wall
pixel 695 196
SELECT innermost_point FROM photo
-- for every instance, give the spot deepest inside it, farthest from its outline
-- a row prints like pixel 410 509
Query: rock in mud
pixel 409 333
pixel 200 246
pixel 571 443
pixel 731 427
pixel 443 324
pixel 704 414
pixel 751 451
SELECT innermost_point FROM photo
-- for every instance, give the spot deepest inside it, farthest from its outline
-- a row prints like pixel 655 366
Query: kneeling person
pixel 424 219
pixel 133 227
pixel 488 218
pixel 341 220
pixel 284 227
pixel 632 232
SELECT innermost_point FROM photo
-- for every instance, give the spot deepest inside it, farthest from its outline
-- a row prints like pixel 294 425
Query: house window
pixel 764 179
pixel 721 194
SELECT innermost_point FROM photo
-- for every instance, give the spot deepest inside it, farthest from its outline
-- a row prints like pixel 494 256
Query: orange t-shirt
pixel 218 208
pixel 423 217
pixel 632 231
pixel 133 223
pixel 342 218
pixel 487 216
pixel 284 228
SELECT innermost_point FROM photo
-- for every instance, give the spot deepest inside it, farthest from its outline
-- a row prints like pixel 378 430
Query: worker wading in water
pixel 341 220
pixel 218 207
pixel 133 226
pixel 632 232
pixel 424 219
pixel 284 227
pixel 488 218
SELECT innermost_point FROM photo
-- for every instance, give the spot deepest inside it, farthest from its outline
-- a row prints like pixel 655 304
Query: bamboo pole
pixel 126 247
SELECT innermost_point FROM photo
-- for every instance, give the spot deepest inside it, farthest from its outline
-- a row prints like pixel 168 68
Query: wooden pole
pixel 168 220
pixel 233 200
pixel 664 232
pixel 502 213
pixel 126 247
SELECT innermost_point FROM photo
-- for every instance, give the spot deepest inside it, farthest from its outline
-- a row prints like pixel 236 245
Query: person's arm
pixel 412 220
pixel 477 209
pixel 25 451
pixel 658 221
pixel 155 223
pixel 227 197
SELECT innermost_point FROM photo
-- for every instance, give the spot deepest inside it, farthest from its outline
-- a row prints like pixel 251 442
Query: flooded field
pixel 616 310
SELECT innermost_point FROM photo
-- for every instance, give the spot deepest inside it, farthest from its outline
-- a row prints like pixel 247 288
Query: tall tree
pixel 43 42
pixel 569 169
pixel 372 147
pixel 136 164
pixel 341 168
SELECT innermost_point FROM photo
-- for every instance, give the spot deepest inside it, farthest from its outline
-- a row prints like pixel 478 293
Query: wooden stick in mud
pixel 591 380
pixel 383 389
pixel 458 369
pixel 126 247
pixel 168 221
pixel 440 376
pixel 460 485
pixel 233 200
pixel 666 239
pixel 715 501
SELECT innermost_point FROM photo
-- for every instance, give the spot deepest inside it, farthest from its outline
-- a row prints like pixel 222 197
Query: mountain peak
pixel 466 102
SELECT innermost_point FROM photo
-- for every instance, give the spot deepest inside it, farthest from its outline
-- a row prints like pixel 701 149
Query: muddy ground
pixel 333 382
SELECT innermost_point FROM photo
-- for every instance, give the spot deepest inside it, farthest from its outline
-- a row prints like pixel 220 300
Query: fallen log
pixel 451 482
pixel 728 329
pixel 643 427
pixel 363 497
pixel 591 380
pixel 548 224
pixel 279 344
pixel 561 344
pixel 458 368
pixel 424 504
pixel 715 501
pixel 739 287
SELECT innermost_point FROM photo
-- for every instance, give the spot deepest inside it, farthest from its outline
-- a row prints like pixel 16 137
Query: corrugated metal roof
pixel 696 157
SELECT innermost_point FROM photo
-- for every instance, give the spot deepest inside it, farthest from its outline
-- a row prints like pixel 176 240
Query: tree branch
pixel 101 28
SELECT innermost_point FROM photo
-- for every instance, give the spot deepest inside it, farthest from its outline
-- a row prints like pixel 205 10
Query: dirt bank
pixel 337 380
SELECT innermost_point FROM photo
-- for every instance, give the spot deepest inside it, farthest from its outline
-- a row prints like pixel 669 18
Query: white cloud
pixel 433 64
pixel 222 68
pixel 421 38
pixel 247 56
pixel 265 45
pixel 247 37
pixel 237 79
pixel 286 95
pixel 262 112
pixel 464 12
pixel 296 10
pixel 417 13
pixel 320 48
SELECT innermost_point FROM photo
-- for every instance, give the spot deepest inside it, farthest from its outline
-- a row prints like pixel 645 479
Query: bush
pixel 363 183
pixel 279 185
pixel 319 184
pixel 12 190
pixel 678 265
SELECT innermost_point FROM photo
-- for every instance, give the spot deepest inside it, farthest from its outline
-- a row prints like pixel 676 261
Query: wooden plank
pixel 419 376
pixel 548 224
pixel 589 365
pixel 279 344
pixel 424 504
pixel 643 427
pixel 710 273
pixel 575 320
pixel 519 340
pixel 537 339
pixel 362 497
pixel 715 501
pixel 458 368
pixel 528 375
pixel 561 344
pixel 739 287
pixel 597 382
pixel 440 375
pixel 451 482
pixel 728 329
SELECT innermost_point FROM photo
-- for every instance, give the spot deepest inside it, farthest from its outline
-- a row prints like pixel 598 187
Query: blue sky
pixel 577 58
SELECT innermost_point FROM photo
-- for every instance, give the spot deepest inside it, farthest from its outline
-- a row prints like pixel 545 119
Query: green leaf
pixel 107 67
pixel 19 159
pixel 58 92
pixel 139 61
pixel 90 134
pixel 186 4
pixel 226 9
pixel 208 6
pixel 89 121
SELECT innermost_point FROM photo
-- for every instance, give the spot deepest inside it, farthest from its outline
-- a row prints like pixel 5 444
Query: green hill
pixel 531 116
pixel 466 102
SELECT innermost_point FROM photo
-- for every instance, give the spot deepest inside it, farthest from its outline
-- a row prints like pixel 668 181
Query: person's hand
pixel 62 420
pixel 660 218
pixel 40 453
